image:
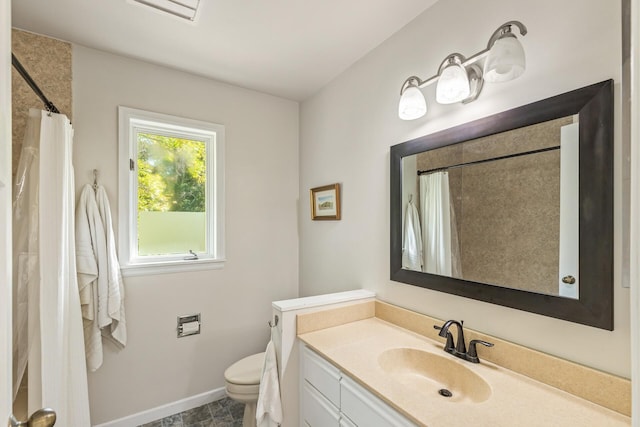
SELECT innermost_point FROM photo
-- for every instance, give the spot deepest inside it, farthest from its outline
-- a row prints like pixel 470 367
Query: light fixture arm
pixel 503 29
pixel 411 81
pixel 475 74
pixel 476 82
pixel 418 82
pixel 454 58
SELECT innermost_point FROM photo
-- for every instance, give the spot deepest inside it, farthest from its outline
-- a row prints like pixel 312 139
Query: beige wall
pixel 261 231
pixel 48 62
pixel 570 44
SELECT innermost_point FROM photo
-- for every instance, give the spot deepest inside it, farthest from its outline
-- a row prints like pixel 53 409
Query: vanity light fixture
pixel 458 83
pixel 412 103
pixel 461 79
pixel 506 59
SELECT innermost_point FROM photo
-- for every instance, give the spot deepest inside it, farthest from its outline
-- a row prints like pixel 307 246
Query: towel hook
pixel 274 323
pixel 95 179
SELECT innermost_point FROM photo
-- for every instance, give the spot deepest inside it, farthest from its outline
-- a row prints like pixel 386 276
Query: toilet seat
pixel 243 389
pixel 243 377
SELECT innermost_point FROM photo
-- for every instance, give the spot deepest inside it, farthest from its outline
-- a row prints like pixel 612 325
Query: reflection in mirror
pixel 514 209
pixel 490 210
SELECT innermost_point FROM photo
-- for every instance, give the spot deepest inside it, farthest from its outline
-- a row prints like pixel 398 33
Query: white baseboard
pixel 167 410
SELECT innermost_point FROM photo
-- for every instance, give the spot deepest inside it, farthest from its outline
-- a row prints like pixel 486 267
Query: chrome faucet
pixel 460 349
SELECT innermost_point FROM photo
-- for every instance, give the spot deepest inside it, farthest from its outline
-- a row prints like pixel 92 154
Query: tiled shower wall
pixel 48 61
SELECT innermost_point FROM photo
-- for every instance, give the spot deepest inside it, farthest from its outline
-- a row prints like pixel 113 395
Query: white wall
pixel 261 231
pixel 348 127
pixel 634 185
pixel 6 396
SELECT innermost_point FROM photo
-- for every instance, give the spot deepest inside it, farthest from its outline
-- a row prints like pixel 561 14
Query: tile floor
pixel 221 413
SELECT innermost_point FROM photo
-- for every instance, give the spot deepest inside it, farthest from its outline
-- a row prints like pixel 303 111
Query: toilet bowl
pixel 242 383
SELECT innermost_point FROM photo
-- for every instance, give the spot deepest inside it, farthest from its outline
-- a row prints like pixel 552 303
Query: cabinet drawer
pixel 322 375
pixel 365 409
pixel 316 410
pixel 346 422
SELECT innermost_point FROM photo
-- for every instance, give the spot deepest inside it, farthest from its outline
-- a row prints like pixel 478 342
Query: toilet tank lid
pixel 246 371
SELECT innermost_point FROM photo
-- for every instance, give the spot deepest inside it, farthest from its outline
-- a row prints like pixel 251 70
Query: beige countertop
pixel 515 400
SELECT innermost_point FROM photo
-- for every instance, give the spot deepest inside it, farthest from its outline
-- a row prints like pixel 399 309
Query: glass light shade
pixel 412 104
pixel 453 85
pixel 505 61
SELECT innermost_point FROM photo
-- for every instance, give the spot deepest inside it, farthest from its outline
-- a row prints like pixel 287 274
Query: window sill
pixel 166 267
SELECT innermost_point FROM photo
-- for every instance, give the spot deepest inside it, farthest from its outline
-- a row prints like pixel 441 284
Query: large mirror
pixel 514 209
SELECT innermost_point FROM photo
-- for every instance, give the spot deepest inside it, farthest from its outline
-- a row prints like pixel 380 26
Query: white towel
pixel 99 278
pixel 115 298
pixel 412 240
pixel 269 406
pixel 90 255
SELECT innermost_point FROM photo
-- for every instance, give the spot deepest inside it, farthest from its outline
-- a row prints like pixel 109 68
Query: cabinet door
pixel 346 422
pixel 317 411
pixel 322 375
pixel 366 410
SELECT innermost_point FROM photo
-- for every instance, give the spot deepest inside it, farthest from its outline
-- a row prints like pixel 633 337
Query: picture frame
pixel 325 203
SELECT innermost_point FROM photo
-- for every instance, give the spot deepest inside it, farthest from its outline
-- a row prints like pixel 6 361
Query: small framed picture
pixel 325 202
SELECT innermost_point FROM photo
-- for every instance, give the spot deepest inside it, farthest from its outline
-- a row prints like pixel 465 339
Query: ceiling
pixel 288 48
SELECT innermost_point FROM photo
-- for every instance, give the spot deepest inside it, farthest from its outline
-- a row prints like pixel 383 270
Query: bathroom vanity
pixel 331 398
pixel 362 366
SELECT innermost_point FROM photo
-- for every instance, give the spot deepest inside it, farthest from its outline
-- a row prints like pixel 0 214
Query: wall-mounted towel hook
pixel 410 197
pixel 274 323
pixel 95 179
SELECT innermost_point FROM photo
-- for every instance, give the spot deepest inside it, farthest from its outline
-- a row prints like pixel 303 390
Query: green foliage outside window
pixel 171 174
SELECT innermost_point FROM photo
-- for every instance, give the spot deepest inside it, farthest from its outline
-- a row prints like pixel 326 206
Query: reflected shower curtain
pixel 439 234
pixel 44 202
pixel 412 257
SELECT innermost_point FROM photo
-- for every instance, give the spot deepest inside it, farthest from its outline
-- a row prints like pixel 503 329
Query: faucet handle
pixel 472 354
pixel 448 347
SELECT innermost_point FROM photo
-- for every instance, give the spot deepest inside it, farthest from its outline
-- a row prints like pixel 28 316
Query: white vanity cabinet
pixel 331 398
pixel 346 422
pixel 316 409
pixel 320 388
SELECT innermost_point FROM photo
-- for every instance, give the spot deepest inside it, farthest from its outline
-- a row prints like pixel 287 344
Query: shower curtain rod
pixel 524 153
pixel 49 106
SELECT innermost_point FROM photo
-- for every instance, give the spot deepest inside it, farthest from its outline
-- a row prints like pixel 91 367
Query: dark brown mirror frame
pixel 594 104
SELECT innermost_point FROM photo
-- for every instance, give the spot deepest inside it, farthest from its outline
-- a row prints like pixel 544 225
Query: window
pixel 171 193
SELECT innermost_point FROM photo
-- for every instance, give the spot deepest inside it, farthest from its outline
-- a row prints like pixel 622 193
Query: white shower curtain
pixel 439 235
pixel 57 369
pixel 412 257
pixel 25 247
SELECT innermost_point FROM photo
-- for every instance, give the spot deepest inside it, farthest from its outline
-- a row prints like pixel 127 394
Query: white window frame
pixel 130 122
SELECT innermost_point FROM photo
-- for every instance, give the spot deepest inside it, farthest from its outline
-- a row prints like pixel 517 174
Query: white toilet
pixel 242 383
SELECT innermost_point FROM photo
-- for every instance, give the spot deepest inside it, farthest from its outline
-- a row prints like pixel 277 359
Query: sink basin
pixel 429 374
